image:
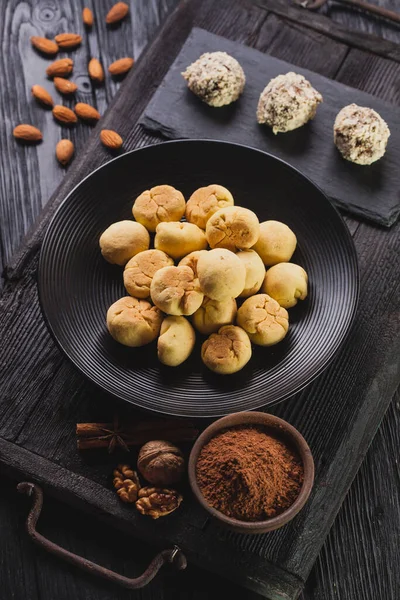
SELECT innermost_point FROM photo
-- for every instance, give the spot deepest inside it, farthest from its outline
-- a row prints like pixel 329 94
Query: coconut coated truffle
pixel 176 291
pixel 179 239
pixel 255 272
pixel 360 134
pixel 213 314
pixel 288 102
pixel 205 201
pixel 227 351
pixel 176 341
pixel 140 270
pixel 234 228
pixel 122 240
pixel 221 274
pixel 276 243
pixel 216 78
pixel 133 322
pixel 162 203
pixel 286 283
pixel 264 320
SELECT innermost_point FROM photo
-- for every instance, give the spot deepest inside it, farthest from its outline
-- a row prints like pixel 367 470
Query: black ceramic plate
pixel 77 286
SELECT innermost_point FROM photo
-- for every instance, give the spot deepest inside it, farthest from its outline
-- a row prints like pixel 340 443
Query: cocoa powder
pixel 248 474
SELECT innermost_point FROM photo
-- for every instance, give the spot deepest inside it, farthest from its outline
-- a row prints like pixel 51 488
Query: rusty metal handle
pixel 172 556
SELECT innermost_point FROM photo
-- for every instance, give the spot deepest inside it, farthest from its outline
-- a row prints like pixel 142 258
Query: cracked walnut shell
pixel 160 462
pixel 162 203
pixel 127 484
pixel 157 502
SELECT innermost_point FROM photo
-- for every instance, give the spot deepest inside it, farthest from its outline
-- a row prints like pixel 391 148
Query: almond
pixel 64 151
pixel 44 45
pixel 68 40
pixel 42 95
pixel 121 66
pixel 86 112
pixel 117 13
pixel 111 139
pixel 87 17
pixel 28 133
pixel 64 86
pixel 96 72
pixel 61 67
pixel 64 114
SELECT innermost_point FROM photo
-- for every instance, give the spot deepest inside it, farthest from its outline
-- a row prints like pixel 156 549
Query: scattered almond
pixel 60 68
pixel 42 95
pixel 64 151
pixel 96 72
pixel 111 139
pixel 87 17
pixel 121 66
pixel 64 114
pixel 64 86
pixel 44 45
pixel 68 40
pixel 28 133
pixel 86 112
pixel 117 13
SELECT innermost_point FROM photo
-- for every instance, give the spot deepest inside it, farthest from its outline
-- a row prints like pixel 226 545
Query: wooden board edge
pixel 90 497
pixel 322 24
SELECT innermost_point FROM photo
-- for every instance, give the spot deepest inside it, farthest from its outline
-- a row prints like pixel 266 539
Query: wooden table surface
pixel 360 558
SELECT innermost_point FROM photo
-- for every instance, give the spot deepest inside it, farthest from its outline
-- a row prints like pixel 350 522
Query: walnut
pixel 157 502
pixel 161 463
pixel 127 484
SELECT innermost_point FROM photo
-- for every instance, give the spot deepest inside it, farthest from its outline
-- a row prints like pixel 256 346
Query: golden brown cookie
pixel 140 270
pixel 276 243
pixel 213 314
pixel 162 203
pixel 190 260
pixel 265 321
pixel 286 283
pixel 221 274
pixel 255 272
pixel 179 239
pixel 133 322
pixel 205 201
pixel 176 291
pixel 234 228
pixel 122 240
pixel 176 341
pixel 227 351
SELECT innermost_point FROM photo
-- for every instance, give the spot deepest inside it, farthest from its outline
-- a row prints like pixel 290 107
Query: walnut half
pixel 157 502
pixel 127 484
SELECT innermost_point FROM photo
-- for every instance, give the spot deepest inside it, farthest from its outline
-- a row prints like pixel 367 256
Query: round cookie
pixel 234 228
pixel 221 274
pixel 255 272
pixel 176 341
pixel 287 102
pixel 133 322
pixel 205 201
pixel 122 240
pixel 213 314
pixel 176 291
pixel 286 283
pixel 227 351
pixel 264 320
pixel 179 239
pixel 360 134
pixel 191 259
pixel 276 243
pixel 216 78
pixel 163 203
pixel 140 270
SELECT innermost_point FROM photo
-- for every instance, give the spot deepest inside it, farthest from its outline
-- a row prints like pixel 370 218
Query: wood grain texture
pixel 345 571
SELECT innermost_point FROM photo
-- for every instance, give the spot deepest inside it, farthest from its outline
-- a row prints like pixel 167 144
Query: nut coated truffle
pixel 133 322
pixel 234 228
pixel 179 239
pixel 360 134
pixel 255 272
pixel 122 240
pixel 140 270
pixel 276 243
pixel 216 78
pixel 205 201
pixel 162 203
pixel 213 314
pixel 288 102
pixel 221 274
pixel 176 291
pixel 176 341
pixel 265 321
pixel 286 283
pixel 191 259
pixel 227 351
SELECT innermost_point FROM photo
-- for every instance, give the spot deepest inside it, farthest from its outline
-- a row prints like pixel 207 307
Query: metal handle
pixel 172 556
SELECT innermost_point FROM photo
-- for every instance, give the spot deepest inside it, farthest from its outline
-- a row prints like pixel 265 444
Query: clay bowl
pixel 282 430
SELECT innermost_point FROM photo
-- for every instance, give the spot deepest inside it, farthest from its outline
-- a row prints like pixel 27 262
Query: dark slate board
pixel 372 192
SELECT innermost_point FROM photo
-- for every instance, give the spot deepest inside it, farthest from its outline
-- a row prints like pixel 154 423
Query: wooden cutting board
pixel 42 397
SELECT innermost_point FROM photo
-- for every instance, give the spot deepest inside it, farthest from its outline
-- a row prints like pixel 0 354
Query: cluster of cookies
pixel 289 101
pixel 200 268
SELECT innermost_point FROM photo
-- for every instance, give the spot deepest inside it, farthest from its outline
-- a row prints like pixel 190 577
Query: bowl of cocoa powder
pixel 251 471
